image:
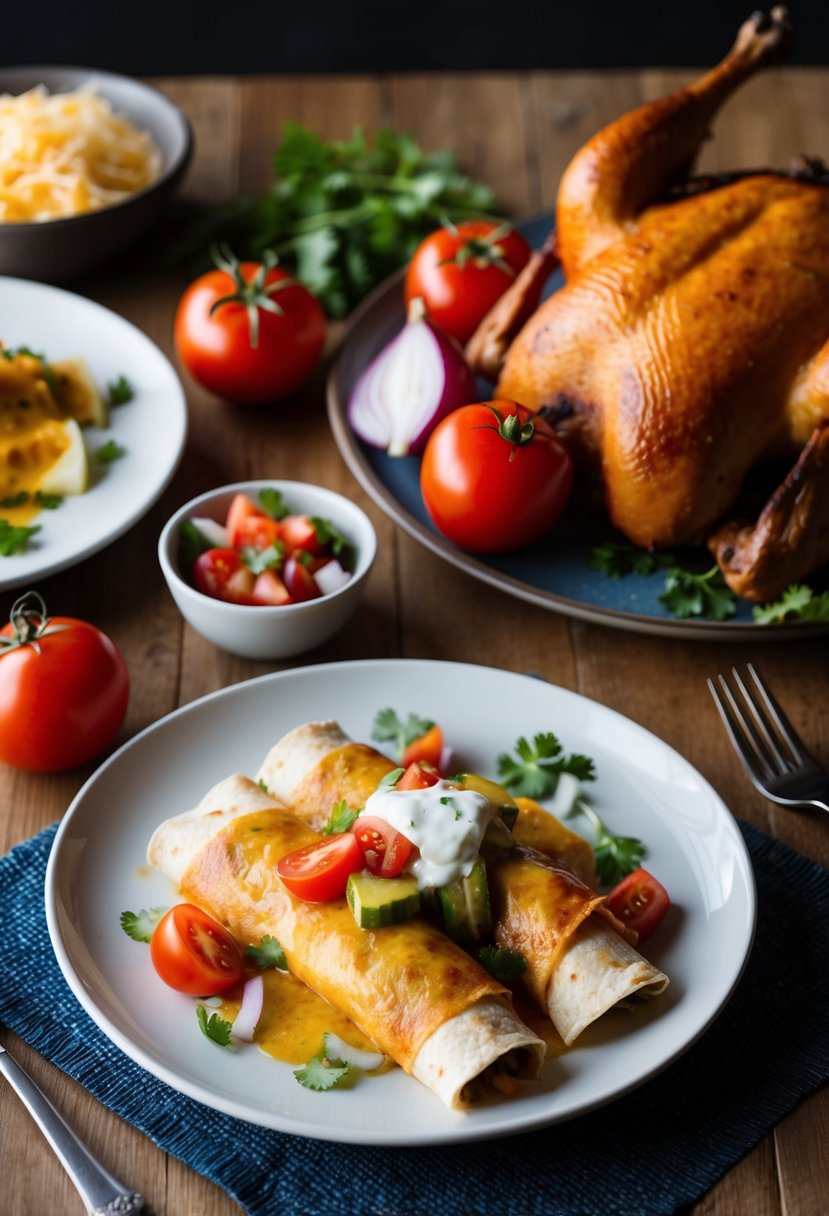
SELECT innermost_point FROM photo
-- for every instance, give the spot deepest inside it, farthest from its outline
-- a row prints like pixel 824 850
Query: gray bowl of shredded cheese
pixel 87 161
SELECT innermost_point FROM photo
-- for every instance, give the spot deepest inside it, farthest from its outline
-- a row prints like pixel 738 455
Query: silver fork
pixel 772 752
pixel 102 1194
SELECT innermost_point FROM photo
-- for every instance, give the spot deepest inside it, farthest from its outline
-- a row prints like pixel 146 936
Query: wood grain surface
pixel 516 132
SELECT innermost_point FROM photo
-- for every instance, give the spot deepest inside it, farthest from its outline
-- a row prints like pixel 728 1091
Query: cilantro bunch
pixel 344 214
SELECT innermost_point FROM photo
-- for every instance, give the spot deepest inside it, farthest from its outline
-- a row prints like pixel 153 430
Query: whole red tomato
pixel 460 272
pixel 249 332
pixel 494 477
pixel 64 689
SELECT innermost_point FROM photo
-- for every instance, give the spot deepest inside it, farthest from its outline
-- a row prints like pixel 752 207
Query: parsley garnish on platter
pixel 214 1028
pixel 502 965
pixel 140 925
pixel 535 771
pixel 698 595
pixel 389 728
pixel 120 391
pixel 14 539
pixel 16 500
pixel 49 502
pixel 268 955
pixel 619 560
pixel 341 818
pixel 110 451
pixel 320 1073
pixel 797 603
pixel 616 856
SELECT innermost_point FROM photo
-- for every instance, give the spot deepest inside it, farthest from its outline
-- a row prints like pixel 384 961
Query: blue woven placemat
pixel 652 1153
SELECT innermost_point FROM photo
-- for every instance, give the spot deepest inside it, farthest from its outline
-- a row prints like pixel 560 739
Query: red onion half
pixel 250 1011
pixel 419 378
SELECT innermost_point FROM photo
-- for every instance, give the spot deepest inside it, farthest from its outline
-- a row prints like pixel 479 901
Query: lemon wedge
pixel 70 472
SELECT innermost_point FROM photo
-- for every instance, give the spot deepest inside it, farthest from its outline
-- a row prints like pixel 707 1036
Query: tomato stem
pixel 254 294
pixel 29 621
pixel 511 429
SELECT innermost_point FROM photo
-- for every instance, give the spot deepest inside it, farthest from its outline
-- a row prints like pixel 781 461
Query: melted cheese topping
pixel 65 153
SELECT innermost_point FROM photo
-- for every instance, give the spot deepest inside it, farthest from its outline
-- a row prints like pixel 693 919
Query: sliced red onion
pixel 215 532
pixel 419 378
pixel 336 1048
pixel 331 577
pixel 250 1011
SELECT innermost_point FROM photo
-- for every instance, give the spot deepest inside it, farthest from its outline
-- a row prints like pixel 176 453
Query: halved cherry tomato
pixel 300 582
pixel 427 748
pixel 320 871
pixel 270 589
pixel 193 953
pixel 418 776
pixel 255 532
pixel 640 901
pixel 298 532
pixel 385 850
pixel 241 509
pixel 222 574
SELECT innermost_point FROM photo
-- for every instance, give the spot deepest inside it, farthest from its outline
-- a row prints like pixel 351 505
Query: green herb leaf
pixel 14 539
pixel 259 560
pixel 797 603
pixel 534 773
pixel 16 500
pixel 191 544
pixel 320 1073
pixel 505 966
pixel 391 779
pixel 120 391
pixel 619 560
pixel 272 501
pixel 140 925
pixel 214 1028
pixel 109 452
pixel 616 856
pixel 698 595
pixel 340 820
pixel 268 955
pixel 49 502
pixel 338 543
pixel 263 785
pixel 389 728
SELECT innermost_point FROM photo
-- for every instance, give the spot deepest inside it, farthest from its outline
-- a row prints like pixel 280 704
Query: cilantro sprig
pixel 389 728
pixel 329 534
pixel 341 818
pixel 698 595
pixel 214 1028
pixel 15 538
pixel 268 955
pixel 343 215
pixel 140 925
pixel 321 1073
pixel 618 560
pixel 271 500
pixel 260 560
pixel 109 452
pixel 615 855
pixel 503 965
pixel 119 392
pixel 535 771
pixel 797 603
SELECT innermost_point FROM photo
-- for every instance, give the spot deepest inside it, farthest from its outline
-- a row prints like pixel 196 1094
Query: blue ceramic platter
pixel 553 572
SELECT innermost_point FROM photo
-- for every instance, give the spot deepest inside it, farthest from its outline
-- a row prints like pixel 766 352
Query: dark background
pixel 239 36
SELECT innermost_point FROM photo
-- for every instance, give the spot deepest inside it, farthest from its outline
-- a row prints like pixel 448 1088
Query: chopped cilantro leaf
pixel 389 728
pixel 120 391
pixel 49 502
pixel 16 500
pixel 698 595
pixel 536 770
pixel 338 543
pixel 267 955
pixel 14 539
pixel 263 785
pixel 110 451
pixel 214 1028
pixel 341 818
pixel 391 779
pixel 619 560
pixel 321 1073
pixel 140 925
pixel 273 502
pixel 797 603
pixel 502 965
pixel 260 560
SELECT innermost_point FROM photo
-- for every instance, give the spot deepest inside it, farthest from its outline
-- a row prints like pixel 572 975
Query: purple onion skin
pixel 458 388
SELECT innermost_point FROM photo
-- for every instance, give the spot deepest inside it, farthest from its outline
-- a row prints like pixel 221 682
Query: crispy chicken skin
pixel 691 339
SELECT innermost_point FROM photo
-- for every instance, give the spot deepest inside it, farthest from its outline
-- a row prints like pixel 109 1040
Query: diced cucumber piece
pixel 494 793
pixel 376 902
pixel 466 907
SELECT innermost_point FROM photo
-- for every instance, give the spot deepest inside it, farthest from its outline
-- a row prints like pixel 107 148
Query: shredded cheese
pixel 65 153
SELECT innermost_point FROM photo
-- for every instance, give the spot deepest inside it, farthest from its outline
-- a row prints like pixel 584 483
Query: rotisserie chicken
pixel 691 340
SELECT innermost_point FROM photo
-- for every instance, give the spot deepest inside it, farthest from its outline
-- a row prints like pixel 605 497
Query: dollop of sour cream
pixel 446 824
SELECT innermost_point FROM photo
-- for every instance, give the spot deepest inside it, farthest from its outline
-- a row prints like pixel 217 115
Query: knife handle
pixel 102 1194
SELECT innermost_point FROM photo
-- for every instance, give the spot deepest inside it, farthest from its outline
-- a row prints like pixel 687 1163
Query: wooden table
pixel 517 133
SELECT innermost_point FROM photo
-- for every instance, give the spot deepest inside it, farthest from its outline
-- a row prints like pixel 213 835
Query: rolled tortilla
pixel 420 998
pixel 580 959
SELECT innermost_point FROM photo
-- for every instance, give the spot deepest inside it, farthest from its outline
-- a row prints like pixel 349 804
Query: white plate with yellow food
pixel 92 426
pixel 98 870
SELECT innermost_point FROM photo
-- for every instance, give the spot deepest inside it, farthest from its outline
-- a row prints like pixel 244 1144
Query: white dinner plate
pixel 151 428
pixel 97 869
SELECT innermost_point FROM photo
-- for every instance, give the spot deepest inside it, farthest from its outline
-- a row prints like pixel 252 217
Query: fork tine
pixel 782 763
pixel 746 751
pixel 787 731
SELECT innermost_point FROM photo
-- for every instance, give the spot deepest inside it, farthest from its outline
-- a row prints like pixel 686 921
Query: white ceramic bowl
pixel 259 631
